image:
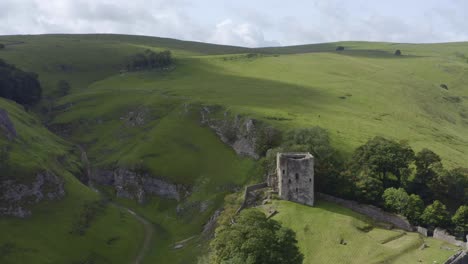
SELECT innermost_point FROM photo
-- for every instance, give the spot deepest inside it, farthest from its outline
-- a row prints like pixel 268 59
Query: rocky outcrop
pixel 239 133
pixel 210 226
pixel 135 185
pixel 137 117
pixel 16 198
pixel 6 126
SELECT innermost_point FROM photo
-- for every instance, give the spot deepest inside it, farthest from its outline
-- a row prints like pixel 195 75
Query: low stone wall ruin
pixel 247 192
pixel 443 235
pixel 373 212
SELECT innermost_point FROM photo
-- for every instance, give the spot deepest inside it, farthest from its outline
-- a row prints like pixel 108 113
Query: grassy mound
pixel 328 233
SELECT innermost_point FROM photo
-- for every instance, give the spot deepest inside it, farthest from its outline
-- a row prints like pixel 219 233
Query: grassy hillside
pixel 45 237
pixel 328 233
pixel 356 94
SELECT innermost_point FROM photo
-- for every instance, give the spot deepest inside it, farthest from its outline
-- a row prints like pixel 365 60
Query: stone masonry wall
pixel 442 234
pixel 371 211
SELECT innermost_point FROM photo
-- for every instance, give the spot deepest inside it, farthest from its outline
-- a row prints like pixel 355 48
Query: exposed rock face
pixel 6 126
pixel 240 134
pixel 15 198
pixel 134 185
pixel 210 226
pixel 137 117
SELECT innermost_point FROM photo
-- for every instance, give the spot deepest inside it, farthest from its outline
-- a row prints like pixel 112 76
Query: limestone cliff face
pixel 239 133
pixel 137 185
pixel 6 126
pixel 16 197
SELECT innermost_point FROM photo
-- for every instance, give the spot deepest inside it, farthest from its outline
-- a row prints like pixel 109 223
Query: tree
pixel 395 200
pixel 460 220
pixel 316 140
pixel 369 189
pixel 2 46
pixel 255 239
pixel 398 53
pixel 451 186
pixel 63 87
pixel 436 215
pixel 427 165
pixel 414 209
pixel 383 156
pixel 149 60
pixel 17 85
pixel 339 48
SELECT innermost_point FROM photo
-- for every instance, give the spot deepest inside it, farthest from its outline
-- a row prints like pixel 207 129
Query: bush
pixel 19 86
pixel 398 53
pixel 460 220
pixel 2 46
pixel 255 239
pixel 436 215
pixel 149 60
pixel 414 209
pixel 395 200
pixel 444 86
pixel 369 189
pixel 339 48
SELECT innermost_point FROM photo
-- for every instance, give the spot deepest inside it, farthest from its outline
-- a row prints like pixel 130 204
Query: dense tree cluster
pixel 149 60
pixel 17 85
pixel 388 174
pixel 254 239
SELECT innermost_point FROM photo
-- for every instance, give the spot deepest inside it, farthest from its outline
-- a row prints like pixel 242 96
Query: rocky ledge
pixel 16 198
pixel 137 185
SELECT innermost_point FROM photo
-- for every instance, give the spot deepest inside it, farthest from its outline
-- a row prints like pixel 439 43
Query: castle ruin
pixel 294 179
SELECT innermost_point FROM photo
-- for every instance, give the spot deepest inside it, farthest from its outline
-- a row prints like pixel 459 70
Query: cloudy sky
pixel 250 23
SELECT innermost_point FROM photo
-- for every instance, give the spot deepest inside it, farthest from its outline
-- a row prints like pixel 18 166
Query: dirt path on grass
pixel 149 232
pixel 149 229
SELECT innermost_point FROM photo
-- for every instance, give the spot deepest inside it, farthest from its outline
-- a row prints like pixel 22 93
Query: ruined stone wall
pixel 296 177
pixel 370 211
pixel 460 257
pixel 247 193
pixel 442 234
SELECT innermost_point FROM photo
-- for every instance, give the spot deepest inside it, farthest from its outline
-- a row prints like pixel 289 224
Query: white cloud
pixel 242 34
pixel 244 22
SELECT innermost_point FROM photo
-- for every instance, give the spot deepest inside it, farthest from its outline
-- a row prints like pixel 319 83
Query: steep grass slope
pixel 111 235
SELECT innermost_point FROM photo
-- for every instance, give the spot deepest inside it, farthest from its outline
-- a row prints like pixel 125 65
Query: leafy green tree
pixel 460 220
pixel 414 209
pixel 397 52
pixel 2 46
pixel 428 164
pixel 451 186
pixel 255 239
pixel 395 200
pixel 382 157
pixel 369 189
pixel 436 215
pixel 63 88
pixel 328 164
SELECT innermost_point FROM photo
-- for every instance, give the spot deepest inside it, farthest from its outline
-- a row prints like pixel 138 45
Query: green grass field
pixel 320 230
pixel 45 237
pixel 355 94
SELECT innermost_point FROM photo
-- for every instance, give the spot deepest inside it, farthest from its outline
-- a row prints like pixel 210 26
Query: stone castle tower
pixel 294 179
